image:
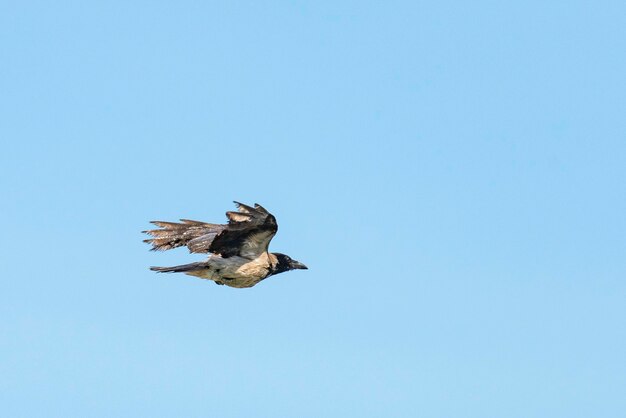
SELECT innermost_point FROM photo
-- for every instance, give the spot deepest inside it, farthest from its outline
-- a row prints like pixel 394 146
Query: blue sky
pixel 451 172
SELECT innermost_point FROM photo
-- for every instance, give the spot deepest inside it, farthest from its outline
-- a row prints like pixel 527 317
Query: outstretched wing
pixel 247 234
pixel 197 236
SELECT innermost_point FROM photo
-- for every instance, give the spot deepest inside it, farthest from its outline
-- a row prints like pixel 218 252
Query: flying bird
pixel 239 255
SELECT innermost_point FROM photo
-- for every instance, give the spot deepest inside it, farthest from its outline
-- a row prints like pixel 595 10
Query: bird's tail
pixel 184 268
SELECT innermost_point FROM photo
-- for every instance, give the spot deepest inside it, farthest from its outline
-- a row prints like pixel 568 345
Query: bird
pixel 239 255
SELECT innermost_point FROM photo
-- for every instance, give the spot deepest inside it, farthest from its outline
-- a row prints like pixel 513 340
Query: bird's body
pixel 239 250
pixel 232 271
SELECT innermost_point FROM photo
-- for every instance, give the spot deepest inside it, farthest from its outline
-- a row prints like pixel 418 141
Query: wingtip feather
pixel 243 208
pixel 261 209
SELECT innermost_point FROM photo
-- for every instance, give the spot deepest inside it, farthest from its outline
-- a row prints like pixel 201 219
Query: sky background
pixel 453 173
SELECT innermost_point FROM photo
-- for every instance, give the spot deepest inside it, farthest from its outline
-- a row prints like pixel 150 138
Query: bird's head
pixel 286 263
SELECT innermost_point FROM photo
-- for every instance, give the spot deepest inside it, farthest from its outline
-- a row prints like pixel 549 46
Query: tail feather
pixel 180 269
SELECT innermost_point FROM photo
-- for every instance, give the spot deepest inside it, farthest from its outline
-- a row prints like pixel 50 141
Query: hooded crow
pixel 239 250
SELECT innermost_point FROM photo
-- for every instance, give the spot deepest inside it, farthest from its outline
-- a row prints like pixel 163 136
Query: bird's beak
pixel 298 265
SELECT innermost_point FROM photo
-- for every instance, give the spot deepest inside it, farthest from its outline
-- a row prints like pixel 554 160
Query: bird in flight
pixel 239 255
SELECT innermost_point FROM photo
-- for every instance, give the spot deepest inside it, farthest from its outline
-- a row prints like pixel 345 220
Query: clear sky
pixel 453 173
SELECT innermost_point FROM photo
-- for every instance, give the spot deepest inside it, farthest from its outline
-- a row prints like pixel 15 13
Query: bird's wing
pixel 247 234
pixel 196 235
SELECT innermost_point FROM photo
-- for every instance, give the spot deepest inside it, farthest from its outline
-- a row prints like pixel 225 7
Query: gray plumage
pixel 239 250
